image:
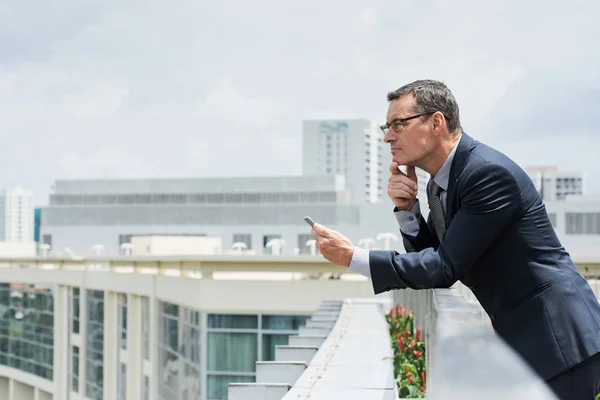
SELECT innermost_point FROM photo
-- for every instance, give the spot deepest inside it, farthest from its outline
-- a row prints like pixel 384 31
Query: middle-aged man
pixel 488 228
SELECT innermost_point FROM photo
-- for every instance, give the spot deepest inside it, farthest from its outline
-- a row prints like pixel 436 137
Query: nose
pixel 388 137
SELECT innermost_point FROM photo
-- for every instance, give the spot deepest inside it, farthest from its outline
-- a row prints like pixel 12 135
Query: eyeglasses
pixel 399 123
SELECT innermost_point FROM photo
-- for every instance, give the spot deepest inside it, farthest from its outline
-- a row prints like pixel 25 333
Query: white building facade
pixel 16 216
pixel 353 148
pixel 253 211
pixel 557 185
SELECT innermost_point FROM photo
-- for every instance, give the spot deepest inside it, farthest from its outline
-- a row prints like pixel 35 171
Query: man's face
pixel 414 140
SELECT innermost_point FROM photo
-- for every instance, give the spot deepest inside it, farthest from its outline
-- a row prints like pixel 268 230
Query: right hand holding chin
pixel 402 187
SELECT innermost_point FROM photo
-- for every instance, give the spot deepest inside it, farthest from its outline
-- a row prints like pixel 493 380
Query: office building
pixel 557 185
pixel 353 148
pixel 253 211
pixel 101 334
pixel 16 216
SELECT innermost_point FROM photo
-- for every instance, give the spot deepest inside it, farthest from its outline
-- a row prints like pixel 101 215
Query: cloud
pixel 228 102
pixel 551 100
pixel 208 88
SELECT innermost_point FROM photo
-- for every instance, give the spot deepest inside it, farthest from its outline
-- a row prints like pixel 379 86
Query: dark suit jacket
pixel 500 243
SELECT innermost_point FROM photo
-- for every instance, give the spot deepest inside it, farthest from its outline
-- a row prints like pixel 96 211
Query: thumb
pixel 411 173
pixel 394 168
pixel 320 229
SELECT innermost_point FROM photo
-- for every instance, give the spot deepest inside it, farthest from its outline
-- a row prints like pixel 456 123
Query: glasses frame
pixel 402 121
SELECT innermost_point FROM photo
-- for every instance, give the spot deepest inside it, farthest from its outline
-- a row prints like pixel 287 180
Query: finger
pixel 409 186
pixel 315 235
pixel 320 230
pixel 411 173
pixel 401 194
pixel 394 168
pixel 396 180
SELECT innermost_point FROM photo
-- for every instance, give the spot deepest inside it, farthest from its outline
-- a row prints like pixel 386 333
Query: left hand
pixel 332 245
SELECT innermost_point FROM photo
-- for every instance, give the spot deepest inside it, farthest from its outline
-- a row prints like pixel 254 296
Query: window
pixel 179 352
pixel 582 223
pixel 302 246
pixel 47 239
pixel 95 344
pixel 266 240
pixel 146 328
pixel 75 310
pixel 75 369
pixel 122 319
pixel 27 328
pixel 245 238
pixel 122 383
pixel 231 351
pixel 236 342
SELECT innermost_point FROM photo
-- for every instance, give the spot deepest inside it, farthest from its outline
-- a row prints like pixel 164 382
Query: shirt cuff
pixel 408 221
pixel 360 262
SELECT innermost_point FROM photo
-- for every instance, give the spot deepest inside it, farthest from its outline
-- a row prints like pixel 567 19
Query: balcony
pixel 345 353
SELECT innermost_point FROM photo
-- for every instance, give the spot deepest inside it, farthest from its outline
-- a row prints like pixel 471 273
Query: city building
pixel 252 211
pixel 353 148
pixel 556 185
pixel 96 333
pixel 17 223
pixel 16 216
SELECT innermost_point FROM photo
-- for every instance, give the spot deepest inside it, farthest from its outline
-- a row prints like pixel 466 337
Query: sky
pixel 129 89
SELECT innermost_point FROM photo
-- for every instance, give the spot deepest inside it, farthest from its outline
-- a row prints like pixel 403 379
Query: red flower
pixel 400 342
pixel 422 387
pixel 411 344
pixel 406 333
pixel 423 377
pixel 418 334
pixel 417 353
pixel 410 377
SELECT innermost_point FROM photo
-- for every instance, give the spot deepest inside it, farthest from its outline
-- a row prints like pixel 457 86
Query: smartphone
pixel 309 221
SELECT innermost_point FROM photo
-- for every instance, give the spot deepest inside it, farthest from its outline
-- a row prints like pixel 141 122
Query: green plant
pixel 409 353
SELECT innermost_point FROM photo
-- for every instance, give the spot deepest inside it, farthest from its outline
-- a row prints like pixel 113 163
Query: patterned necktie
pixel 435 208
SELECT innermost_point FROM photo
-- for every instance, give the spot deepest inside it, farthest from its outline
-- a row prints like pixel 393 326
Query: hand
pixel 402 188
pixel 332 245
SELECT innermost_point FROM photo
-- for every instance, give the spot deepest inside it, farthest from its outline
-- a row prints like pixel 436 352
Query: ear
pixel 439 121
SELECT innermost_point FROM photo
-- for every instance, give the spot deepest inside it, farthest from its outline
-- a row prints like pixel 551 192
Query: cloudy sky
pixel 116 89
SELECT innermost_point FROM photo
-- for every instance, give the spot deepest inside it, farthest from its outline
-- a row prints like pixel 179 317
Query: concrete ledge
pixel 279 371
pixel 353 362
pixel 258 391
pixel 320 324
pixel 312 331
pixel 295 353
pixel 321 317
pixel 307 340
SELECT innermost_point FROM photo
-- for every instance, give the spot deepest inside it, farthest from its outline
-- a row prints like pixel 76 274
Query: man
pixel 488 228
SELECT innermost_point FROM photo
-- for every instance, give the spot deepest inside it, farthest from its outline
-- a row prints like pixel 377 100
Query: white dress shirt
pixel 408 221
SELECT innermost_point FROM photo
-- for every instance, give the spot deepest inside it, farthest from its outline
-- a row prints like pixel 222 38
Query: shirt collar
pixel 443 175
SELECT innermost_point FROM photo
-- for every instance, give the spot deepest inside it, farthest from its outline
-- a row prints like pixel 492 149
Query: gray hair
pixel 432 96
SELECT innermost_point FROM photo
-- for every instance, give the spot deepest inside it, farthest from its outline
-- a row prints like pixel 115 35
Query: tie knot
pixel 433 189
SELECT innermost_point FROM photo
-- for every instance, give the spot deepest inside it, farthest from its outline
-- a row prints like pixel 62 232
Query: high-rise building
pixel 556 185
pixel 353 148
pixel 16 216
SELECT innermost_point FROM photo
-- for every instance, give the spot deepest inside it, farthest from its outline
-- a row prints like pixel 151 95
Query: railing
pixel 465 358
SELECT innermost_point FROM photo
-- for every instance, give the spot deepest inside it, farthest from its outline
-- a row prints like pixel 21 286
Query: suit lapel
pixel 458 164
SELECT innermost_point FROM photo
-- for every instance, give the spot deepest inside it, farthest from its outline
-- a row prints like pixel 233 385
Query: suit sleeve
pixel 489 200
pixel 422 240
